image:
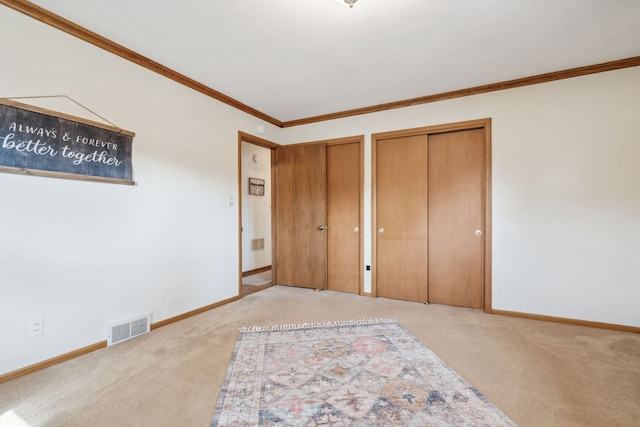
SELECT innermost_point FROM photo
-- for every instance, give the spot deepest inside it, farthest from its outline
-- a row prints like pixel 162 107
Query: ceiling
pixel 295 59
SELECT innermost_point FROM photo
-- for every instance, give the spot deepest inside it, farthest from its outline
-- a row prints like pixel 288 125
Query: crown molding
pixel 509 84
pixel 58 22
pixel 82 33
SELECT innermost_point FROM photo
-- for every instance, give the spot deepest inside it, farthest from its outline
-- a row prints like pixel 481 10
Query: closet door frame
pixel 449 127
pixel 357 139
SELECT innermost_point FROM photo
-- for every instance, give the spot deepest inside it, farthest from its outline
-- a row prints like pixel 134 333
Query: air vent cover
pixel 257 244
pixel 128 328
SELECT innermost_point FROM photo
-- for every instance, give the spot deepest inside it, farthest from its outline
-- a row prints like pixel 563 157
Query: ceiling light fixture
pixel 349 3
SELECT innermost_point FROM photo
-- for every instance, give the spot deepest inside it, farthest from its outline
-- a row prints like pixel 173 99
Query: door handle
pixel 356 229
pixel 380 230
pixel 478 233
pixel 322 227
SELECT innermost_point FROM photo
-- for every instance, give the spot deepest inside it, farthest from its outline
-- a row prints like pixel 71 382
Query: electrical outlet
pixel 36 327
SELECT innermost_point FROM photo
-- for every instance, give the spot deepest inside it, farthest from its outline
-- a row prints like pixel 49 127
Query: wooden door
pixel 343 217
pixel 401 218
pixel 301 252
pixel 456 218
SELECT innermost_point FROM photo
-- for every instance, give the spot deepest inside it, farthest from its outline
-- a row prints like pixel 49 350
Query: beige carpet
pixel 538 373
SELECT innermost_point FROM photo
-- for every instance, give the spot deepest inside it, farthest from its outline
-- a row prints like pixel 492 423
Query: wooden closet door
pixel 343 217
pixel 456 218
pixel 301 252
pixel 401 218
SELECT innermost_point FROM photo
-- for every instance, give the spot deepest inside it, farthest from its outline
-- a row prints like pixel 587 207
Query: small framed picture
pixel 256 186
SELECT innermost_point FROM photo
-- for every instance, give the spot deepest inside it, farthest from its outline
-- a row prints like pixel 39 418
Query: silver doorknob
pixel 322 227
pixel 356 229
pixel 380 230
pixel 478 233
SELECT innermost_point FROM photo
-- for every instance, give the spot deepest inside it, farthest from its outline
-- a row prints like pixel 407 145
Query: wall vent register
pixel 128 328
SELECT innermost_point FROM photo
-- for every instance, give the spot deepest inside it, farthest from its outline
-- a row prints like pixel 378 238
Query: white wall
pixel 256 210
pixel 83 254
pixel 566 196
pixel 566 190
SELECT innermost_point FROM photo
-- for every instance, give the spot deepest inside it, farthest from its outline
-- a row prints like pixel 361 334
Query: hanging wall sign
pixel 35 141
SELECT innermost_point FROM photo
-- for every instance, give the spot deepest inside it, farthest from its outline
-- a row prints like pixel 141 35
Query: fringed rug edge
pixel 311 325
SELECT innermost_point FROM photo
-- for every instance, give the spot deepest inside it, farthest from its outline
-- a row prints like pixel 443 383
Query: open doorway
pixel 256 206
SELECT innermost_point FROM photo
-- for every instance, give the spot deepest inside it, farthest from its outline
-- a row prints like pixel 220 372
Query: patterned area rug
pixel 357 373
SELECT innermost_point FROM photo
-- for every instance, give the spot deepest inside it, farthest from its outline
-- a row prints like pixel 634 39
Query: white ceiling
pixel 293 59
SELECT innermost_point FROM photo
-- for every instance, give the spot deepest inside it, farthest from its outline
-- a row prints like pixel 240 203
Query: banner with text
pixel 33 140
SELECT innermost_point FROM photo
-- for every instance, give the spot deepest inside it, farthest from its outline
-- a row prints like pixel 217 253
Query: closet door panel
pixel 401 218
pixel 456 218
pixel 301 253
pixel 343 217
